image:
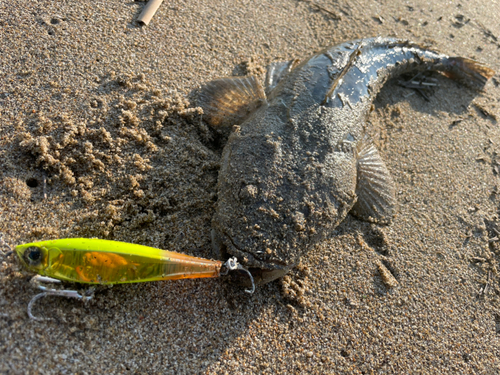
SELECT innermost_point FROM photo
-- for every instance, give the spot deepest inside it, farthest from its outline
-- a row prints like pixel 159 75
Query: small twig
pixel 484 290
pixel 148 12
pixel 334 15
pixel 44 177
pixel 3 243
pixel 418 83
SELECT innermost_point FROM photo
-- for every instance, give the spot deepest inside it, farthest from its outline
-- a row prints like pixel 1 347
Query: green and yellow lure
pixel 93 261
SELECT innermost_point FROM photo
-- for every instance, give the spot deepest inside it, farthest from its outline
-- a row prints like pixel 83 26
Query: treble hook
pixel 36 280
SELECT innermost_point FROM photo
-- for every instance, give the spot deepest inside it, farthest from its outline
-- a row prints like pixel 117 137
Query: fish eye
pixel 33 256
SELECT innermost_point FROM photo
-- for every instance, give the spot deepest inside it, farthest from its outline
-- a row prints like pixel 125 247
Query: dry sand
pixel 98 107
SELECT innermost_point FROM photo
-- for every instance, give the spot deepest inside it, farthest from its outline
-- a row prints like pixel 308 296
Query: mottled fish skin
pixel 290 171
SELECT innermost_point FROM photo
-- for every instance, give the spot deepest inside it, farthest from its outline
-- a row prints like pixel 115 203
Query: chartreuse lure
pixel 94 261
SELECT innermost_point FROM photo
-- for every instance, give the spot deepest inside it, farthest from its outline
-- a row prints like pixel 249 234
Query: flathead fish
pixel 299 158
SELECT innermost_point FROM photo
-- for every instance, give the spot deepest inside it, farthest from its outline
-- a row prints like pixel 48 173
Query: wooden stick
pixel 44 176
pixel 149 11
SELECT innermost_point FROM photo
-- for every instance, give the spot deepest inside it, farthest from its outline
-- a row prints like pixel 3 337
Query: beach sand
pixel 98 139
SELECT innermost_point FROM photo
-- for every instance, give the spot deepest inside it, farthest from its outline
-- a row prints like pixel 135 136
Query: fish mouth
pixel 263 271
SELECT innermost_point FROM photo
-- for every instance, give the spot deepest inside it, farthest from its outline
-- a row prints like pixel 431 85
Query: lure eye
pixel 33 256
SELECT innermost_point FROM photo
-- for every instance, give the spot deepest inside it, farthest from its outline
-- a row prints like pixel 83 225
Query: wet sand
pixel 98 138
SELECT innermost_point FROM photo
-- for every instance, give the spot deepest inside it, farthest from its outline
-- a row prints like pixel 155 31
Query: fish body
pixel 299 159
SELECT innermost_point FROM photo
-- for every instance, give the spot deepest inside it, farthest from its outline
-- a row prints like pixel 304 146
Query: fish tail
pixel 467 71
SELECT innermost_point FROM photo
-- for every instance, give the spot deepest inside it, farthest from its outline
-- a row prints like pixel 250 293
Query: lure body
pixel 93 261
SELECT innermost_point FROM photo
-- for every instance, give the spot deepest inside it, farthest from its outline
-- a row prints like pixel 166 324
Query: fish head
pixel 251 188
pixel 278 196
pixel 268 211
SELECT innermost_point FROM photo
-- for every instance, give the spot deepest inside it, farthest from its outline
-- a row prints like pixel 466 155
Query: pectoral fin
pixel 228 101
pixel 375 187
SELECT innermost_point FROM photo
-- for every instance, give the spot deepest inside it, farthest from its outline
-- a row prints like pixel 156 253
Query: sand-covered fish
pixel 299 159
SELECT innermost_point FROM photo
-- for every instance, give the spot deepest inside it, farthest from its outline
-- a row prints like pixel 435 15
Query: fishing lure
pixel 94 261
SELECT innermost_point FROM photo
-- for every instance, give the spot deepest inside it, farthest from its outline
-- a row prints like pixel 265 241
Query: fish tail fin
pixel 467 71
pixel 228 101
